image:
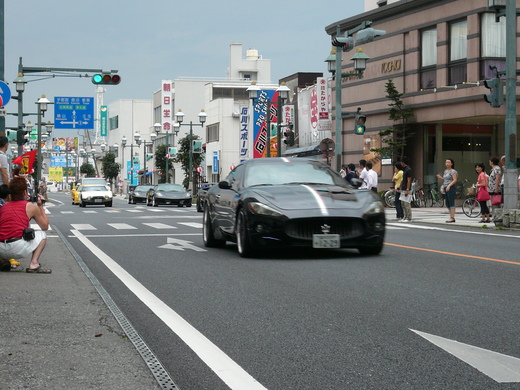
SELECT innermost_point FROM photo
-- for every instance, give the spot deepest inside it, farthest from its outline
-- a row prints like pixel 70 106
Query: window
pixel 492 45
pixel 429 59
pixel 458 52
pixel 212 132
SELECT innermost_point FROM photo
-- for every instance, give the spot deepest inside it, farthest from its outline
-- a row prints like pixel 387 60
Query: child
pixel 4 197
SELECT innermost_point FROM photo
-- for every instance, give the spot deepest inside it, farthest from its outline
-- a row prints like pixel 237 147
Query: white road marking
pixel 160 226
pixel 192 224
pixel 180 245
pixel 121 226
pixel 67 212
pixel 112 211
pixel 35 226
pixel 90 212
pixel 82 226
pixel 134 211
pixel 223 366
pixel 413 226
pixel 499 367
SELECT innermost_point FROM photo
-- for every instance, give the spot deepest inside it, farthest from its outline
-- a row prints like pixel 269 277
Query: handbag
pixel 496 200
pixel 443 190
pixel 482 194
pixel 28 234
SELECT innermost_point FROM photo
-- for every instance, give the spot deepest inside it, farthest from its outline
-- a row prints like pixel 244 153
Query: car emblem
pixel 325 229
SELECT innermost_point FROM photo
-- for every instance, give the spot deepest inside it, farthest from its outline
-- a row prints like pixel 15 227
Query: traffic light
pixel 345 42
pixel 22 137
pixel 368 35
pixel 289 137
pixel 106 79
pixel 360 124
pixel 496 87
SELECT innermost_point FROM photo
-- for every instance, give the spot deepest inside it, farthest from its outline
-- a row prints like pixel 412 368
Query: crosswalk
pixel 137 226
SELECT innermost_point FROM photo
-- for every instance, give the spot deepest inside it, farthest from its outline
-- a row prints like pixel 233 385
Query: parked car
pixel 75 194
pixel 138 194
pixel 270 203
pixel 166 193
pixel 96 195
pixel 201 195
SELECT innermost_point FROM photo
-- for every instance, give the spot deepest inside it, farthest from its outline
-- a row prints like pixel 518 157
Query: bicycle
pixel 418 198
pixel 471 206
pixel 389 198
pixel 433 197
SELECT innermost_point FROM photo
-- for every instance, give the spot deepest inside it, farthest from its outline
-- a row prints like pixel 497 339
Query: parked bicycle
pixel 433 197
pixel 470 205
pixel 389 198
pixel 418 198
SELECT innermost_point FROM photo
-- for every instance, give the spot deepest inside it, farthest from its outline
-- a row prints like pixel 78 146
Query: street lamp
pixel 202 118
pixel 137 138
pixel 145 145
pixel 20 88
pixel 283 94
pixel 42 107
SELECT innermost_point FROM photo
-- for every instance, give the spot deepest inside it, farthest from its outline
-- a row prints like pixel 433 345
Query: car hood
pixel 96 193
pixel 308 196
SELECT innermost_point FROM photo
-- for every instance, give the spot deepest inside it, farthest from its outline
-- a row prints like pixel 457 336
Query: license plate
pixel 325 241
pixel 98 200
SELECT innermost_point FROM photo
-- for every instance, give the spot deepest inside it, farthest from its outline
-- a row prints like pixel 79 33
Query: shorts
pixel 21 248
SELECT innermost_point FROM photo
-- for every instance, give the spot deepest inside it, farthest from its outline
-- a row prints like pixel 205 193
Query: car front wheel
pixel 245 249
pixel 207 231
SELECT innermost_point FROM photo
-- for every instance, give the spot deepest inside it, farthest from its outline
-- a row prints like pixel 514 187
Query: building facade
pixel 438 54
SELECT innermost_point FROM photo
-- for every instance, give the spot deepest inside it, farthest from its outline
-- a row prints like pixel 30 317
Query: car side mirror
pixel 356 182
pixel 224 185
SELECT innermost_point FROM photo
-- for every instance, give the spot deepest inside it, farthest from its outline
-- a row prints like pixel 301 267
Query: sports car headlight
pixel 262 209
pixel 375 208
pixel 159 194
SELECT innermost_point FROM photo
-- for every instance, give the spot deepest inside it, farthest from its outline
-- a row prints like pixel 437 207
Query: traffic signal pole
pixel 510 188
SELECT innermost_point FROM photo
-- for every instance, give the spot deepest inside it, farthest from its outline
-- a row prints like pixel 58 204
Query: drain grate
pixel 153 363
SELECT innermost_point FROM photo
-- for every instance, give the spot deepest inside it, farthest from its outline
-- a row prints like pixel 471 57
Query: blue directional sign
pixel 5 94
pixel 73 113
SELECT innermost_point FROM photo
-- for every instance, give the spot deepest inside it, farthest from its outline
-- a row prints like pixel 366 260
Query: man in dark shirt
pixel 406 187
pixel 351 174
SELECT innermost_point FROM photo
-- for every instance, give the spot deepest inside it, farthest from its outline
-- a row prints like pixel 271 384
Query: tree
pixel 109 167
pixel 395 137
pixel 160 162
pixel 87 169
pixel 183 157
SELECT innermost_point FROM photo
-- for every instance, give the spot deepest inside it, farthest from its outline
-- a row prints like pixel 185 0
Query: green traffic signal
pixel 360 124
pixel 106 79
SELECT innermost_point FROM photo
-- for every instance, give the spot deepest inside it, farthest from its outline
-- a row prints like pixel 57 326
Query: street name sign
pixel 74 113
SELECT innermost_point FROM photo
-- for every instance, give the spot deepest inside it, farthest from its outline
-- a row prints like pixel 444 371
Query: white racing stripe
pixel 318 198
pixel 227 370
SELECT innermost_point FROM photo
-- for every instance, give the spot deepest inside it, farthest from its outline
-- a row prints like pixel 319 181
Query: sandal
pixel 38 270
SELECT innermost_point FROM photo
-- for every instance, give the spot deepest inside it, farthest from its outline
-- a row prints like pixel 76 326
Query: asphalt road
pixel 409 318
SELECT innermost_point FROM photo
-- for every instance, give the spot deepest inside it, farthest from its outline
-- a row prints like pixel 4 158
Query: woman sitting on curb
pixel 14 218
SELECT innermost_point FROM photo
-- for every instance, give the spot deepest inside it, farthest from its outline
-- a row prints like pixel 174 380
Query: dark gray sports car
pixel 166 193
pixel 138 194
pixel 269 203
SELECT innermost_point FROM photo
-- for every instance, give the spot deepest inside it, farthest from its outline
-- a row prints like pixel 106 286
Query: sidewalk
pixel 439 215
pixel 58 333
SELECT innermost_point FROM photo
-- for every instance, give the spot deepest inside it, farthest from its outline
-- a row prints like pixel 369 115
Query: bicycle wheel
pixel 389 198
pixel 439 200
pixel 471 207
pixel 428 199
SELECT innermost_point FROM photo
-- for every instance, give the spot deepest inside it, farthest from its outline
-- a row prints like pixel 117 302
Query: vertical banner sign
pixel 244 133
pixel 323 95
pixel 103 119
pixel 215 162
pixel 288 114
pixel 314 109
pixel 261 138
pixel 166 105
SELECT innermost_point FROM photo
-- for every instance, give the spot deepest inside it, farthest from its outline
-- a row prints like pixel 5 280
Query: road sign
pixel 5 94
pixel 73 113
pixel 103 118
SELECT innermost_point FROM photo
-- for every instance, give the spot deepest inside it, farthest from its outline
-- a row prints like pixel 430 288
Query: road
pixel 438 309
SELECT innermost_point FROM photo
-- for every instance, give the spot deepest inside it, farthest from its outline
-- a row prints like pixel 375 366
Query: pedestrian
pixel 450 177
pixel 4 164
pixel 4 198
pixel 397 179
pixel 15 219
pixel 494 182
pixel 120 185
pixel 43 188
pixel 371 178
pixel 351 173
pixel 482 187
pixel 363 174
pixel 406 186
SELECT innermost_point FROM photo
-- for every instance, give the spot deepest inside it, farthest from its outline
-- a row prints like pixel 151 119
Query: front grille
pixel 304 228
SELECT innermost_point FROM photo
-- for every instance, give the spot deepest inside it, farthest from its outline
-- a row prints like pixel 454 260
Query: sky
pixel 150 41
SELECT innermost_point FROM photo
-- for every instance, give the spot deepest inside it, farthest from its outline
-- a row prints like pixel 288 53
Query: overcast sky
pixel 149 41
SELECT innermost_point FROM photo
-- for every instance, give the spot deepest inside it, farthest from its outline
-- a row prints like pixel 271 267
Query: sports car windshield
pixel 288 173
pixel 170 187
pixel 142 188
